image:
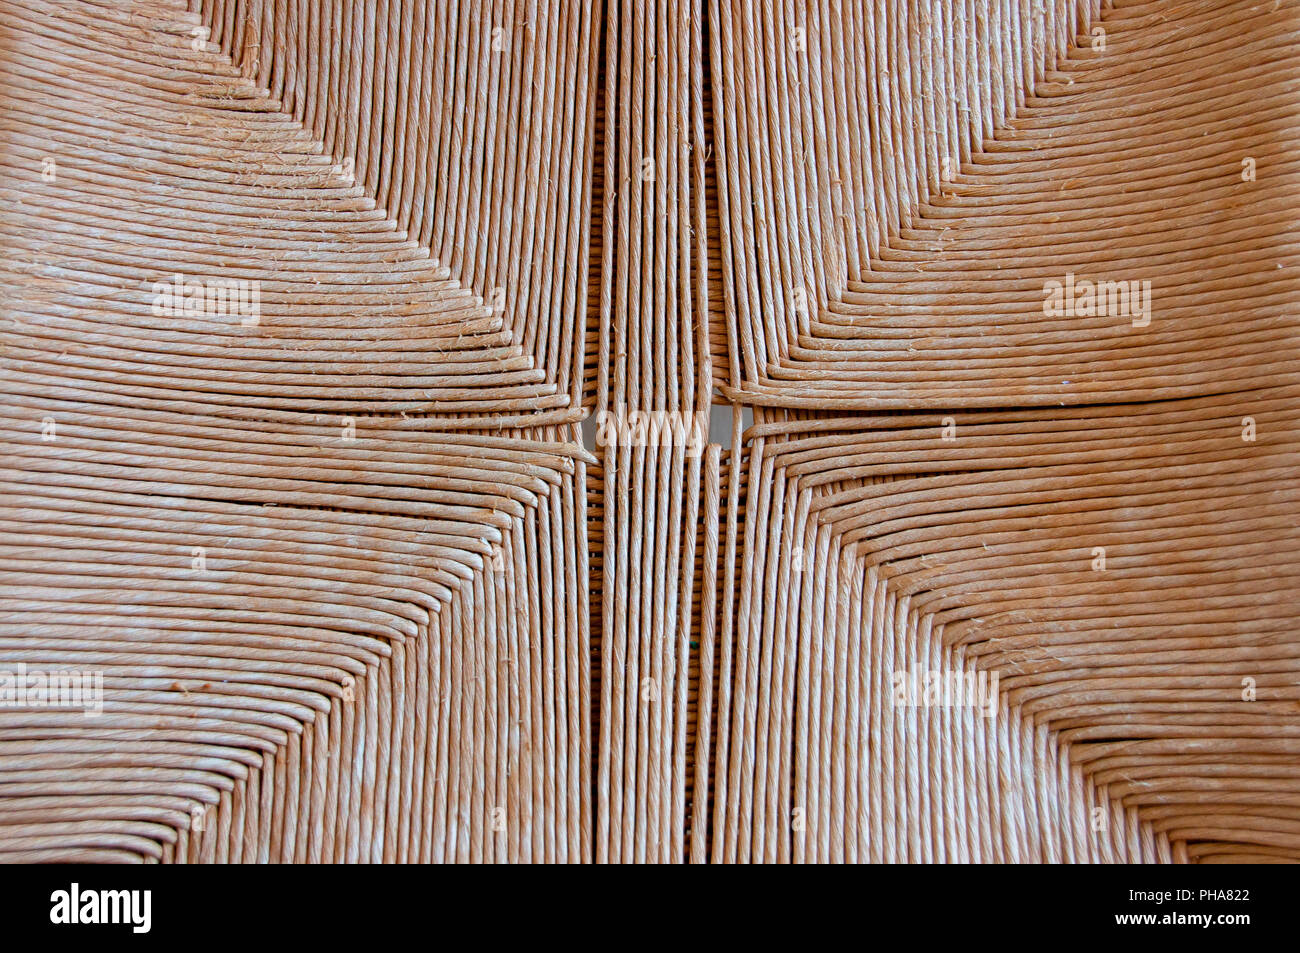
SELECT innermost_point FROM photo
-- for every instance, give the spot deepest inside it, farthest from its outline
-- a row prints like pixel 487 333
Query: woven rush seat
pixel 703 432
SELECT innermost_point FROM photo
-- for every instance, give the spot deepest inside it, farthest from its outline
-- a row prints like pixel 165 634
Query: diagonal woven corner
pixel 1123 162
pixel 1105 593
pixel 1045 225
pixel 287 470
pixel 365 479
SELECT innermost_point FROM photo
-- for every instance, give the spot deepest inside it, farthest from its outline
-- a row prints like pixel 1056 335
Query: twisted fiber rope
pixel 653 357
pixel 455 634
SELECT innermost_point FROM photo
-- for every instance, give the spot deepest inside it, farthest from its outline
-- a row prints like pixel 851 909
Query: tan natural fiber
pixel 361 359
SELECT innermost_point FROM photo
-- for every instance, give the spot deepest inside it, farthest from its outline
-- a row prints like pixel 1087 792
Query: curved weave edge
pixel 365 665
pixel 472 125
pixel 179 175
pixel 1128 578
pixel 1123 163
